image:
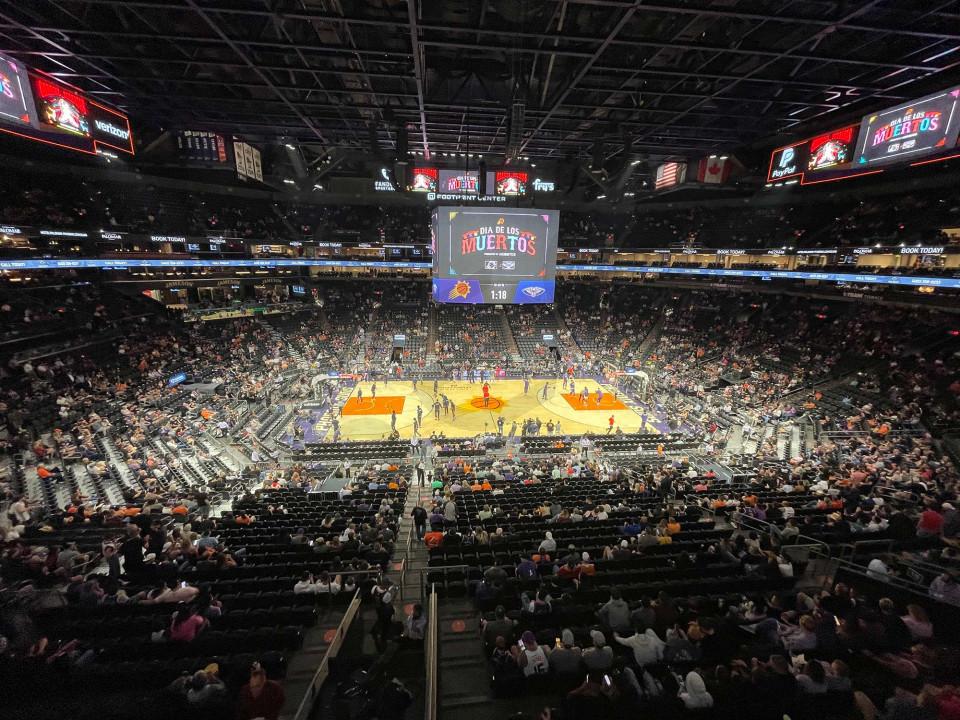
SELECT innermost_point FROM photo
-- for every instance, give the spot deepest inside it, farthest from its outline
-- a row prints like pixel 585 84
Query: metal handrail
pixel 442 569
pixel 890 493
pixel 403 576
pixel 922 565
pixel 862 571
pixel 839 434
pixel 822 551
pixel 305 709
pixel 403 563
pixel 431 651
pixel 803 541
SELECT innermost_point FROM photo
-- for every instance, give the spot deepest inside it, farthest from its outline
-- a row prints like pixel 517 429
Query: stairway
pixel 289 349
pixel 783 445
pixel 735 440
pixel 507 331
pixel 563 331
pixel 651 339
pixel 809 438
pixel 432 330
pixel 464 691
pixel 369 337
pixel 417 556
pixel 796 448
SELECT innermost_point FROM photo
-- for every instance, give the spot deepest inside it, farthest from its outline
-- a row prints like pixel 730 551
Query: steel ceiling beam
pixel 878 95
pixel 215 41
pixel 481 47
pixel 405 76
pixel 384 74
pixel 666 72
pixel 473 108
pixel 293 129
pixel 623 87
pixel 770 61
pixel 262 75
pixel 790 20
pixel 316 79
pixel 259 111
pixel 30 32
pixel 624 19
pixel 211 62
pixel 456 110
pixel 655 8
pixel 418 72
pixel 691 47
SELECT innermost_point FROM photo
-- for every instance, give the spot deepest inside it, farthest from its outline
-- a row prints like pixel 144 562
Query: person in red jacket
pixel 931 522
pixel 260 698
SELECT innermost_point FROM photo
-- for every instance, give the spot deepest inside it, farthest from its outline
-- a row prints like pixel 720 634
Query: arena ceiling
pixel 510 78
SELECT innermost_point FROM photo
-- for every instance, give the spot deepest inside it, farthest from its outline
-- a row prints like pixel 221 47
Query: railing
pixel 898 496
pixel 838 557
pixel 403 563
pixel 802 541
pixel 920 569
pixel 441 569
pixel 305 709
pixel 893 581
pixel 431 648
pixel 841 434
pixel 692 501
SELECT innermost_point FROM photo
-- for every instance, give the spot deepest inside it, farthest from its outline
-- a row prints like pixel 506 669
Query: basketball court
pixel 370 418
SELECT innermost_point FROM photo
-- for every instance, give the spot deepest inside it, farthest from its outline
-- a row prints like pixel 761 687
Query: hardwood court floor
pixel 366 420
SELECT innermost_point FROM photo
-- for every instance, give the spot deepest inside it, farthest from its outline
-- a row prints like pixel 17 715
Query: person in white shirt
pixel 877 569
pixel 694 693
pixel 305 585
pixel 326 586
pixel 531 657
pixel 548 545
pixel 647 647
pixel 20 511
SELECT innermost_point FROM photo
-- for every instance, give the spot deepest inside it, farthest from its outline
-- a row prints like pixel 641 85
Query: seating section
pixel 472 333
pixel 250 603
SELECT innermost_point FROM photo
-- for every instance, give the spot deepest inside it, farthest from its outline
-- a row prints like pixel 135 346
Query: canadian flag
pixel 714 169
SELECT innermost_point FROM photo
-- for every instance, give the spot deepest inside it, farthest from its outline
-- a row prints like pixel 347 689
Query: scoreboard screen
pixel 911 130
pixel 493 255
pixel 16 101
pixel 38 107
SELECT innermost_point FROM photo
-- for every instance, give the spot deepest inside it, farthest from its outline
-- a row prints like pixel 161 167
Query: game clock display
pixel 494 256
